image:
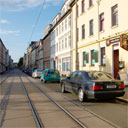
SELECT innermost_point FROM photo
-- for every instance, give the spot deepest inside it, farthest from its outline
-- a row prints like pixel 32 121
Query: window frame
pixel 83 31
pixel 114 15
pixel 83 6
pixel 101 22
pixel 91 27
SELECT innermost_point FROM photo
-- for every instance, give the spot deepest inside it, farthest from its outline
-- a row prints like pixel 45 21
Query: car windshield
pixel 99 76
pixel 53 72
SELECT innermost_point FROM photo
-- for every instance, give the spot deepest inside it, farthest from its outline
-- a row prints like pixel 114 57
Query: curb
pixel 122 99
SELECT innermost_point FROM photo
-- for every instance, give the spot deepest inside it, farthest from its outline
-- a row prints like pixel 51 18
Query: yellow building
pixel 100 36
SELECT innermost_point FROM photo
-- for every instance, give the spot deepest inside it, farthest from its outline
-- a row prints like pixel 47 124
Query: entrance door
pixel 116 63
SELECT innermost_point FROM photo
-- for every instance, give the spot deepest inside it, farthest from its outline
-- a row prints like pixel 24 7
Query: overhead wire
pixel 37 21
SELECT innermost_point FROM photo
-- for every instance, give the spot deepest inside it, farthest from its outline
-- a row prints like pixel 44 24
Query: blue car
pixel 52 75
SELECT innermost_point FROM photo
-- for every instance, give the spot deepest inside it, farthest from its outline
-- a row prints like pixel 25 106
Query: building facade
pixel 40 54
pixel 100 36
pixel 6 61
pixel 61 40
pixel 2 57
pixel 46 47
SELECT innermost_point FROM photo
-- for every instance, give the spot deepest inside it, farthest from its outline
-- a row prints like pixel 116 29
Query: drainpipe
pixel 99 58
pixel 77 57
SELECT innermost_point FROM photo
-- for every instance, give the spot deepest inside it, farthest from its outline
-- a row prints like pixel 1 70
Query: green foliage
pixel 20 63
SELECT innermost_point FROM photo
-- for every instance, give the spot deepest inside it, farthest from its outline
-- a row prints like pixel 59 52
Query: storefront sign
pixel 56 57
pixel 124 42
pixel 115 40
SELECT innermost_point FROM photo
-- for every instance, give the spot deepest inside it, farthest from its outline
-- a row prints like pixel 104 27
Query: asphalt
pixel 124 98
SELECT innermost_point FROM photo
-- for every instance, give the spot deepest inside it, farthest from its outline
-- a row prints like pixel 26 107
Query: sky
pixel 18 21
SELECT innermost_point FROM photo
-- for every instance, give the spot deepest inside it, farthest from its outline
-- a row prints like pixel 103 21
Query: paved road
pixel 112 110
pixel 94 114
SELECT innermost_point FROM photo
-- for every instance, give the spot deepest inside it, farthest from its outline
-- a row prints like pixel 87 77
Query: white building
pixel 61 40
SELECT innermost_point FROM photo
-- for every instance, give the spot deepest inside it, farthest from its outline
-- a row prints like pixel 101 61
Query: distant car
pixel 92 85
pixel 37 73
pixel 1 72
pixel 50 75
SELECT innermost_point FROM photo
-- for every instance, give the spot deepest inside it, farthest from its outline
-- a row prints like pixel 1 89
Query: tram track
pixel 81 124
pixel 4 103
pixel 33 109
pixel 77 121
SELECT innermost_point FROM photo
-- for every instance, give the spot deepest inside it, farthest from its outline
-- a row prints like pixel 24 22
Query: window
pixel 65 24
pixel 101 18
pixel 90 3
pixel 69 20
pixel 62 26
pixel 103 57
pixel 62 44
pixel 91 27
pixel 83 5
pixel 114 15
pixel 56 31
pixel 65 42
pixel 79 76
pixel 94 57
pixel 83 31
pixel 66 64
pixel 59 29
pixel 85 58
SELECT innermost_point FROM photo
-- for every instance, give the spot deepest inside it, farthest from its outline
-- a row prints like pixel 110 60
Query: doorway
pixel 116 63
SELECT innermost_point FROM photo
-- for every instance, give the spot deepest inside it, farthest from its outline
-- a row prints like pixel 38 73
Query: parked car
pixel 50 75
pixel 92 85
pixel 37 73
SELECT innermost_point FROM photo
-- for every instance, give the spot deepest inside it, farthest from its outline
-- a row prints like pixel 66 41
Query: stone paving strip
pixel 90 119
pixel 17 113
pixel 51 115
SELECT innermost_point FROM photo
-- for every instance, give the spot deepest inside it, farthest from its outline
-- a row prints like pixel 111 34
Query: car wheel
pixel 41 79
pixel 81 95
pixel 44 81
pixel 63 88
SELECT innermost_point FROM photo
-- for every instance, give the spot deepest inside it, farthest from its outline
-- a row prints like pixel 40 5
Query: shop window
pixel 83 5
pixel 66 64
pixel 114 10
pixel 83 31
pixel 85 58
pixel 101 18
pixel 91 27
pixel 103 56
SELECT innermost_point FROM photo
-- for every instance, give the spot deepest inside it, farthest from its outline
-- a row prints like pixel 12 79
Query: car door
pixel 69 81
pixel 76 83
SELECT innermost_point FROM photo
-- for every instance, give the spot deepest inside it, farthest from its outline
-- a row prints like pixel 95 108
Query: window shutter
pixel 95 56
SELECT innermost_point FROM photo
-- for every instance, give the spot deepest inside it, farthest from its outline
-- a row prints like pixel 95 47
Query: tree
pixel 20 63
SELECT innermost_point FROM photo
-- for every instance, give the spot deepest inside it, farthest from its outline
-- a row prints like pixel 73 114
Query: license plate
pixel 53 75
pixel 111 86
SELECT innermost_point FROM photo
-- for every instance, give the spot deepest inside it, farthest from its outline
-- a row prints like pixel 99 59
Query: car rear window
pixel 39 70
pixel 99 76
pixel 53 72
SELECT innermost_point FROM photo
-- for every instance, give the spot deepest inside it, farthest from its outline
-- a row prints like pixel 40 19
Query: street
pixel 15 110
